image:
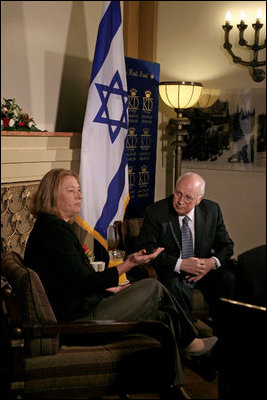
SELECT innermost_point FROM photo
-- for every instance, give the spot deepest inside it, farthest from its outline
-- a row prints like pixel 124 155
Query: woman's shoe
pixel 209 343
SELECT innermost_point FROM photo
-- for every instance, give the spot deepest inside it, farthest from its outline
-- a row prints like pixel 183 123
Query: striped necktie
pixel 187 245
pixel 187 240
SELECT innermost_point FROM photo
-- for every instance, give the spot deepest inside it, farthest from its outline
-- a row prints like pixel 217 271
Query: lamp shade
pixel 180 95
pixel 207 98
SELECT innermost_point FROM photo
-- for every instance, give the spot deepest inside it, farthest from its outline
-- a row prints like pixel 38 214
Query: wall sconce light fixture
pixel 258 75
pixel 207 98
pixel 179 95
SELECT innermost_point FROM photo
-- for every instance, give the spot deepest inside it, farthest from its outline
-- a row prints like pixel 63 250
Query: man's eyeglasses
pixel 187 199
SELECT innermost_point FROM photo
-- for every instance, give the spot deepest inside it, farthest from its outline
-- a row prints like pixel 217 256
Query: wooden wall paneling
pixel 140 29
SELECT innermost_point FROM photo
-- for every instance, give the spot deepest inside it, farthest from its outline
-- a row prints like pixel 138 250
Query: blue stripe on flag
pixel 108 27
pixel 115 190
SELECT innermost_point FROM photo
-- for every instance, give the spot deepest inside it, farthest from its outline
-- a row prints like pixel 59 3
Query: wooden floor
pixel 199 388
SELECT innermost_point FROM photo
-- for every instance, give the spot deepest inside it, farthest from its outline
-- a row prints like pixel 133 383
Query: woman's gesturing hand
pixel 141 257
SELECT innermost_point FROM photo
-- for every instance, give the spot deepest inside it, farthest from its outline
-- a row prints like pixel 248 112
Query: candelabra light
pixel 179 95
pixel 258 75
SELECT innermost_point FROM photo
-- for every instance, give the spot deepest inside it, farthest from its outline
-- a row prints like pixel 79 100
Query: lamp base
pixel 175 127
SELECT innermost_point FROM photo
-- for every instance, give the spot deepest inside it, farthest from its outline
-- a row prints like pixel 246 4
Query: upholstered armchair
pixel 44 359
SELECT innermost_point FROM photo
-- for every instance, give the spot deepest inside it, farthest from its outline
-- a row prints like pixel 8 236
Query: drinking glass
pixel 116 257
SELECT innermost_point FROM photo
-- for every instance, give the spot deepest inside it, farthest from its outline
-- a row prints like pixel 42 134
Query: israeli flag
pixel 104 168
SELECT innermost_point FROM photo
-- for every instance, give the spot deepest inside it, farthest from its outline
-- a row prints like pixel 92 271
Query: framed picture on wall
pixel 230 134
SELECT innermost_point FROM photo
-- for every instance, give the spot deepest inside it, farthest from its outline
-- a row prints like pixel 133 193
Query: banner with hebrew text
pixel 141 144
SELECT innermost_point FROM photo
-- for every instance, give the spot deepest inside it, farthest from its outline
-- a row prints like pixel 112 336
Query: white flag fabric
pixel 104 168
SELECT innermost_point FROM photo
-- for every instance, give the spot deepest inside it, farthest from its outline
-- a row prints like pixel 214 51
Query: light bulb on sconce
pixel 258 15
pixel 258 75
pixel 179 95
pixel 242 16
pixel 228 17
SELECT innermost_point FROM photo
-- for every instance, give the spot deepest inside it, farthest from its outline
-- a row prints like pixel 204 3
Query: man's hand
pixel 197 267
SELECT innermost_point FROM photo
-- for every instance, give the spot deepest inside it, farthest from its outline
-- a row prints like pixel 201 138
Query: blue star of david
pixel 103 114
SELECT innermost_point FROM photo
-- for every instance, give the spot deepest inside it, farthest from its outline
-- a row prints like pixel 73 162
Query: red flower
pixel 21 123
pixel 6 122
pixel 86 250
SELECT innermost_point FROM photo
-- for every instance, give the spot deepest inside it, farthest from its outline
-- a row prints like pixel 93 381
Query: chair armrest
pixel 155 329
pixel 240 305
pixel 76 328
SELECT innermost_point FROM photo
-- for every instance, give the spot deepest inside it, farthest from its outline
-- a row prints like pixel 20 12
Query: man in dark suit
pixel 212 246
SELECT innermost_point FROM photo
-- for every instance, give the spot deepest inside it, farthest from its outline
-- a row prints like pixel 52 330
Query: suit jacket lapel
pixel 175 227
